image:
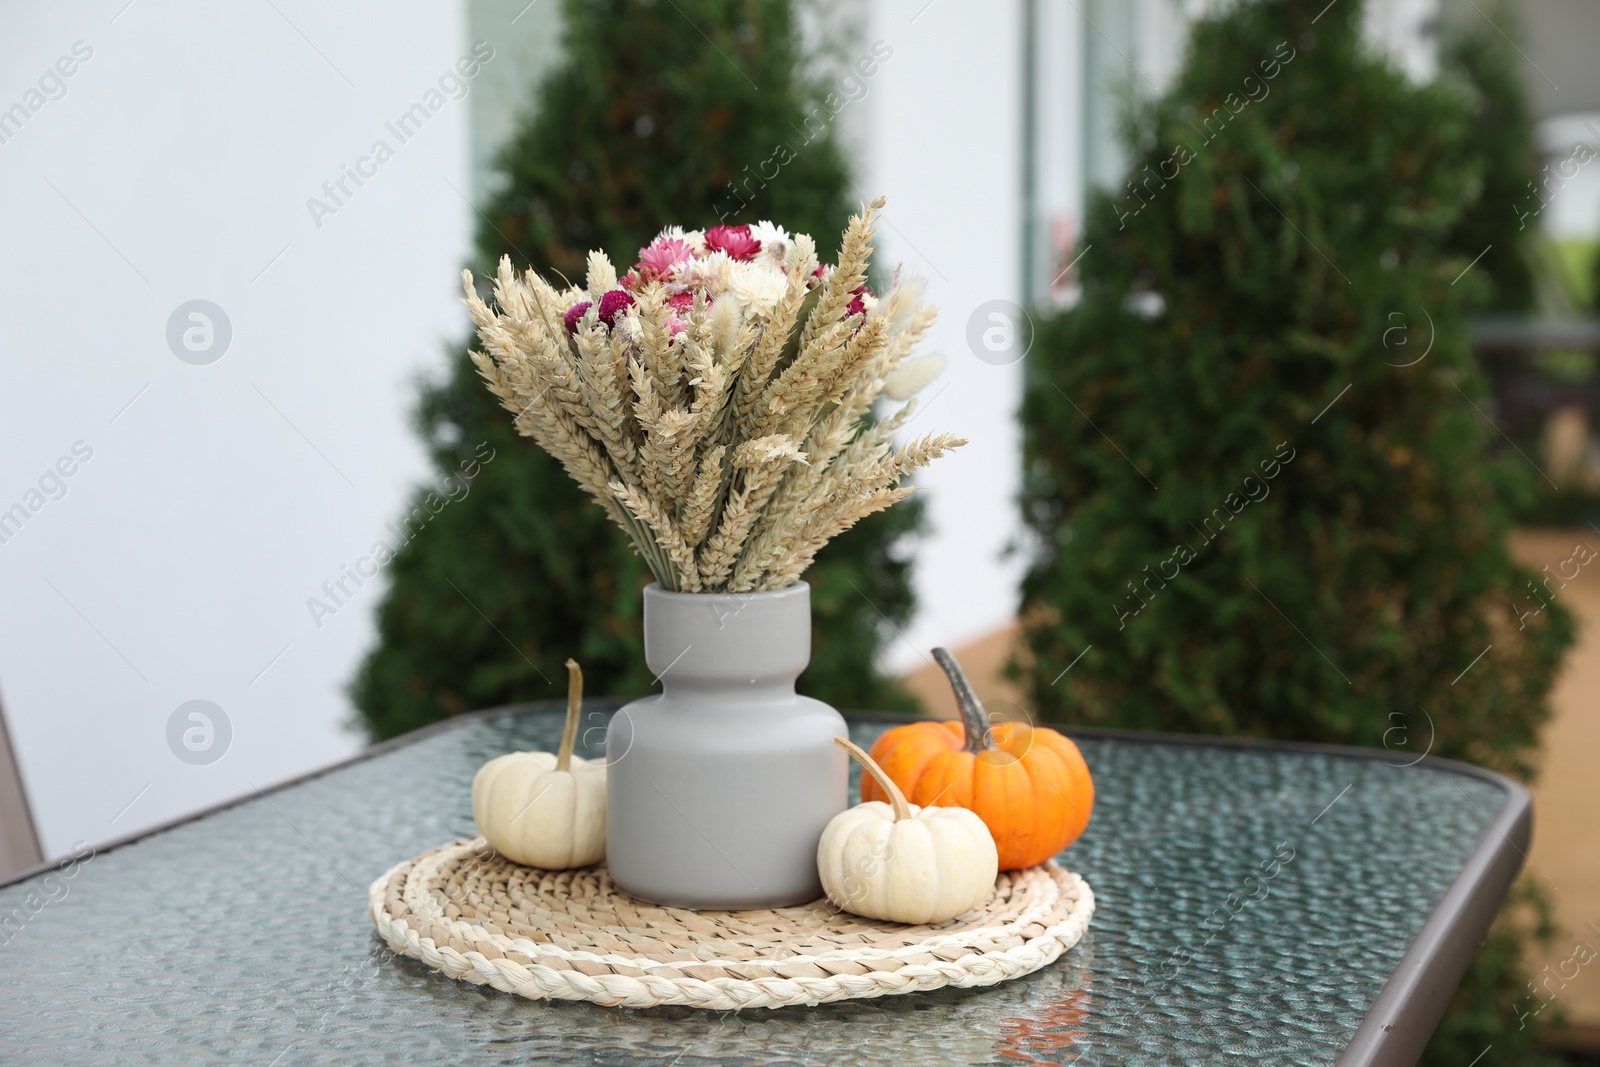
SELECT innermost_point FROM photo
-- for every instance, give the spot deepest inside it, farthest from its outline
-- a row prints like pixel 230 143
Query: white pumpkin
pixel 906 864
pixel 542 809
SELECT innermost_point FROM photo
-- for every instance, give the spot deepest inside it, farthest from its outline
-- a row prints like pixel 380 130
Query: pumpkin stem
pixel 897 799
pixel 973 717
pixel 569 733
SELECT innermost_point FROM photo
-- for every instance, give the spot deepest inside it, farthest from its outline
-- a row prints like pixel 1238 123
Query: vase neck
pixel 740 647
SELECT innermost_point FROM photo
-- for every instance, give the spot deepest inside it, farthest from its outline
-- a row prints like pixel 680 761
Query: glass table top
pixel 1251 903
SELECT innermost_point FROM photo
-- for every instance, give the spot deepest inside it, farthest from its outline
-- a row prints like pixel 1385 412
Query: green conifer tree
pixel 1263 498
pixel 690 112
pixel 1503 217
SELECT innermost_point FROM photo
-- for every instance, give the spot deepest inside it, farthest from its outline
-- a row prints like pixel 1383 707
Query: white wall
pixel 177 165
pixel 1567 199
pixel 943 143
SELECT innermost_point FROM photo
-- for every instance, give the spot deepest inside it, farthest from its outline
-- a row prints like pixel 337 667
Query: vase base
pixel 694 902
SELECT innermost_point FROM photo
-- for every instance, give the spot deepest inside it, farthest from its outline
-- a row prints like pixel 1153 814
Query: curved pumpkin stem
pixel 897 799
pixel 973 717
pixel 569 732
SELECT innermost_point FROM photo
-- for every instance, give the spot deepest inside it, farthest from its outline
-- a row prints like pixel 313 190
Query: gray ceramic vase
pixel 718 788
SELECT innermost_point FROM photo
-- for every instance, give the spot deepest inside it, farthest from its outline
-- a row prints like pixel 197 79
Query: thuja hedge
pixel 1262 496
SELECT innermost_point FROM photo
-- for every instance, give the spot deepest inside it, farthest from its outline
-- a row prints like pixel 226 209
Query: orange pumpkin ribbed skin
pixel 1032 789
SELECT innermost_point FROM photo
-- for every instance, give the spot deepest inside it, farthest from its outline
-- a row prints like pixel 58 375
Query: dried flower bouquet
pixel 716 400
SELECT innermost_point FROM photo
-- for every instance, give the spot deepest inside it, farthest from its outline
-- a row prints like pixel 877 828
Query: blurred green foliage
pixel 1261 500
pixel 1479 60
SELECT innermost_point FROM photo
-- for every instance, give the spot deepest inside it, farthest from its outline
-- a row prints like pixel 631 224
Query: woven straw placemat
pixel 572 935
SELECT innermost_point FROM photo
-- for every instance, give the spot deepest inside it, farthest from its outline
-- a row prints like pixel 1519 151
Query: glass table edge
pixel 1408 1008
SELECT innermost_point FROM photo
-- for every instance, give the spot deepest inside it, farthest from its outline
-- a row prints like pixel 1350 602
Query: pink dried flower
pixel 613 304
pixel 661 256
pixel 630 281
pixel 574 314
pixel 734 240
pixel 858 305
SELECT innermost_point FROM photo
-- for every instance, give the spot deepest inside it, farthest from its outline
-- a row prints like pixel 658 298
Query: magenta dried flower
pixel 734 240
pixel 574 314
pixel 613 304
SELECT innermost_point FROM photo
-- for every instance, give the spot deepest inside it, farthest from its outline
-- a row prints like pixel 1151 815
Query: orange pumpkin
pixel 1030 787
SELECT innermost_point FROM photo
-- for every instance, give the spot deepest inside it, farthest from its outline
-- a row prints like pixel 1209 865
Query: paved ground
pixel 1566 846
pixel 1566 831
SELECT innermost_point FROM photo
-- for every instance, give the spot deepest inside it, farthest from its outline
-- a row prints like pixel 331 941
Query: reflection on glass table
pixel 1253 904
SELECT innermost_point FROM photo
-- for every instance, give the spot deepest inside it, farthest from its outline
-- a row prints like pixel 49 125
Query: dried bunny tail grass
pixel 902 303
pixel 601 275
pixel 727 319
pixel 700 507
pixel 680 575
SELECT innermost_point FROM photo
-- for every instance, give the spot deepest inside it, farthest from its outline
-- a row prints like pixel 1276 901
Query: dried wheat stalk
pixel 719 422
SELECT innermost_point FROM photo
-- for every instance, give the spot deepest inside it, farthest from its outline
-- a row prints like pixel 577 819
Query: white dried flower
pixel 709 272
pixel 774 240
pixel 758 285
pixel 695 239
